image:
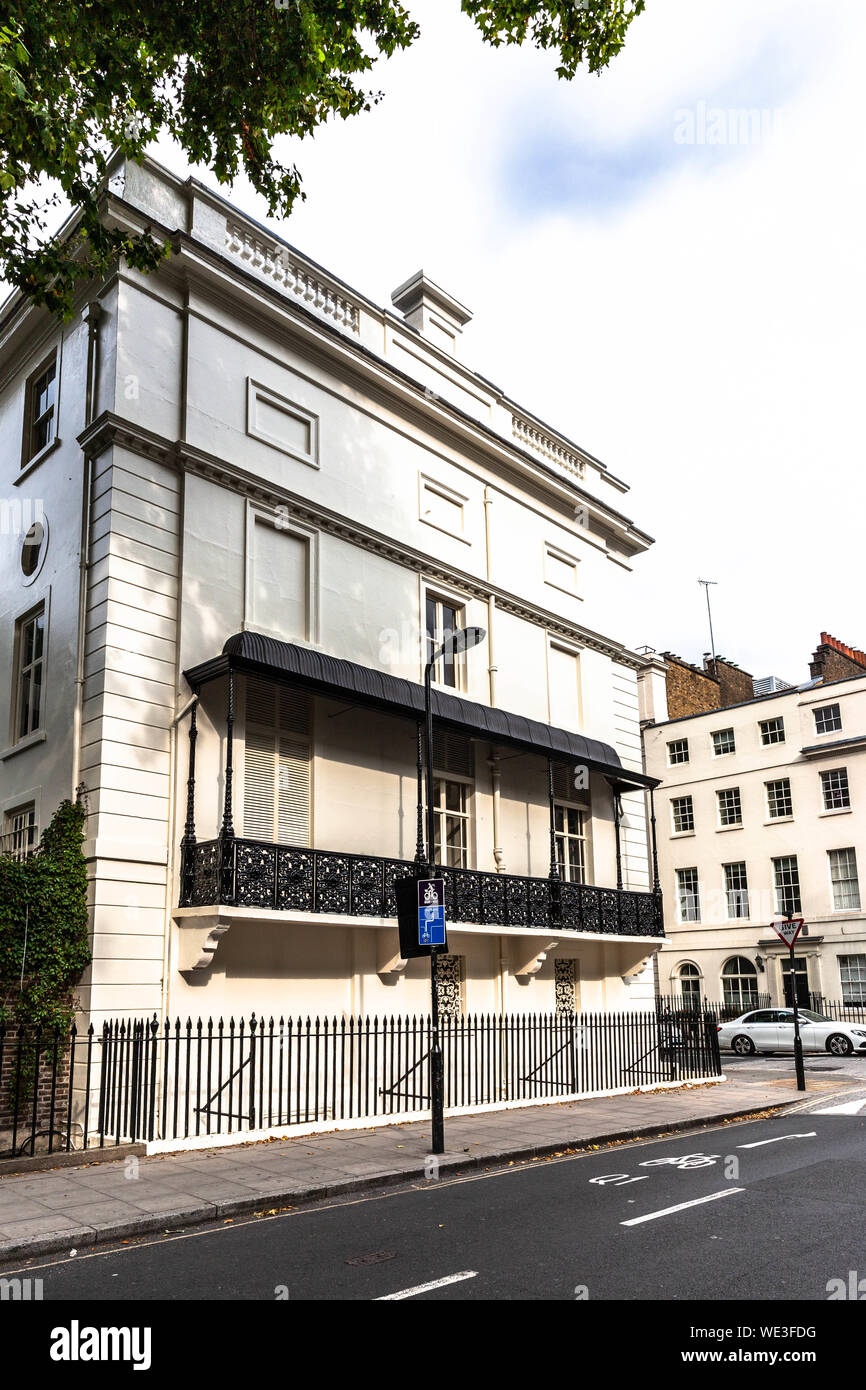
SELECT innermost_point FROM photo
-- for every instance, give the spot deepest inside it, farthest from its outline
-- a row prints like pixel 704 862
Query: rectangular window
pixel 443 618
pixel 852 977
pixel 779 803
pixel 828 719
pixel 451 822
pixel 843 877
pixel 678 751
pixel 277 764
pixel 560 570
pixel 39 410
pixel 772 731
pixel 723 742
pixel 786 881
pixel 29 680
pixel 736 889
pixel 688 891
pixel 730 809
pixel 20 836
pixel 834 789
pixel 683 812
pixel 570 822
pixel 441 507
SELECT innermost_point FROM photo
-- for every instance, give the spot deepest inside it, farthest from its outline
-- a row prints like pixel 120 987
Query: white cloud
pixel 702 332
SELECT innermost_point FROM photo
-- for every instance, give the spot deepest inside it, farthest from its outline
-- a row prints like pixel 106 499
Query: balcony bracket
pixel 391 964
pixel 199 935
pixel 526 958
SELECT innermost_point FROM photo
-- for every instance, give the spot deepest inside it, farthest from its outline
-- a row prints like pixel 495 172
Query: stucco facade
pixel 244 445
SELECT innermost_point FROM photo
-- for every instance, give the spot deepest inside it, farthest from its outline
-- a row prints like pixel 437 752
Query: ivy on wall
pixel 44 937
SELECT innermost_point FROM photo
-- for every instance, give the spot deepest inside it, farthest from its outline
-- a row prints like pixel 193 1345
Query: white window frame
pixel 732 792
pixel 441 815
pixel 772 801
pixel 694 893
pixel 719 733
pixel 764 727
pixel 844 884
pixel 441 594
pixel 823 709
pixel 565 837
pixel 856 977
pixel 840 773
pixel 779 890
pixel 739 893
pixel 677 762
pixel 690 814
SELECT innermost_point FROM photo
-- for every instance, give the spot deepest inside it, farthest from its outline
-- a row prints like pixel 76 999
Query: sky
pixel 674 283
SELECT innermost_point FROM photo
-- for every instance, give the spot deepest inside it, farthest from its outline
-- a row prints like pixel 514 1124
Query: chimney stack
pixel 436 314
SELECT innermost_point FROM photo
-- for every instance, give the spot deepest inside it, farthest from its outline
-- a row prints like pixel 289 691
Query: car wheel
pixel 839 1045
pixel 743 1046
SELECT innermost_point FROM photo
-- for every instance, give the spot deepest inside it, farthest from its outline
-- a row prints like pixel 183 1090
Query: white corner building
pixel 240 503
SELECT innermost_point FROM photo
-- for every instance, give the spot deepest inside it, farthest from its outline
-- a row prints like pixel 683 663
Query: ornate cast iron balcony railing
pixel 256 874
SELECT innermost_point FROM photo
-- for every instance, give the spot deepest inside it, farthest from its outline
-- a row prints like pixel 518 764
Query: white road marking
pixel 759 1144
pixel 681 1206
pixel 850 1107
pixel 434 1284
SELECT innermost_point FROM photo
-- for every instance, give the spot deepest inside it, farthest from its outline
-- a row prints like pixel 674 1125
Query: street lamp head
pixel 460 640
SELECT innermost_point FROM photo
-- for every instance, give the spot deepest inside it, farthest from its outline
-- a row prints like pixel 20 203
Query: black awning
pixel 328 675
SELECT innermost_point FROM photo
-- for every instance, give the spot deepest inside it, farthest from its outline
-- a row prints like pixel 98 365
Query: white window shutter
pixel 277 764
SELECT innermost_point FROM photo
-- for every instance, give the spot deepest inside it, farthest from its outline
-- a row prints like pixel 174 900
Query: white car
pixel 772 1030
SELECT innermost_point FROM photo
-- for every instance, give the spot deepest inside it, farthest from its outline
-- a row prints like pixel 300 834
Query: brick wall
pixel 735 685
pixel 833 660
pixel 689 690
pixel 20 1076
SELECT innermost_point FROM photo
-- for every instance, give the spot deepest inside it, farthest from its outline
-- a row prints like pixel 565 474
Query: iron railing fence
pixel 839 1010
pixel 144 1080
pixel 724 1010
pixel 256 873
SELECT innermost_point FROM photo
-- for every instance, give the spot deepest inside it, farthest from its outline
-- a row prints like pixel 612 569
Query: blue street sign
pixel 431 912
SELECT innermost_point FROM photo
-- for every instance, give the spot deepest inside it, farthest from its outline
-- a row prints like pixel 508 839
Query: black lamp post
pixel 455 643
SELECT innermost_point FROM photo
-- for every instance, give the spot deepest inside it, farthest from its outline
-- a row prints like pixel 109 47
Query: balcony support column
pixel 227 830
pixel 617 818
pixel 495 781
pixel 555 888
pixel 187 844
pixel 657 888
pixel 419 772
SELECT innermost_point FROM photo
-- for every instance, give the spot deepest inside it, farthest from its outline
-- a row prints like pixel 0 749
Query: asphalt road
pixel 771 1209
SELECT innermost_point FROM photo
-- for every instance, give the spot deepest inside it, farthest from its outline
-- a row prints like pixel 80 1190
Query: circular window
pixel 33 549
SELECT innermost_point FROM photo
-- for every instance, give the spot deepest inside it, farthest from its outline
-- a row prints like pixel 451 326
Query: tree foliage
pixel 44 938
pixel 81 78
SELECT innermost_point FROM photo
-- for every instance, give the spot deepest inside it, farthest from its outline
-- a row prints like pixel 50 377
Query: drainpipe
pixel 91 316
pixel 493 760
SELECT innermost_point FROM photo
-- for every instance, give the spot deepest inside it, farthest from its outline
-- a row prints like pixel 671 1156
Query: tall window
pixel 723 742
pixel 20 832
pixel 786 880
pixel 852 976
pixel 772 730
pixel 678 751
pixel 443 618
pixel 779 803
pixel 570 822
pixel 30 662
pixel 740 983
pixel 736 889
pixel 451 822
pixel 730 809
pixel 843 877
pixel 688 890
pixel 690 984
pixel 683 814
pixel 277 764
pixel 40 402
pixel 828 719
pixel 834 789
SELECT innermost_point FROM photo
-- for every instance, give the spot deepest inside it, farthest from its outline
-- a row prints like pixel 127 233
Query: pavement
pixel 76 1208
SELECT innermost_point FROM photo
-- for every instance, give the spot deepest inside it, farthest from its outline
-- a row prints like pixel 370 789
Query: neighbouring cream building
pixel 762 814
pixel 240 501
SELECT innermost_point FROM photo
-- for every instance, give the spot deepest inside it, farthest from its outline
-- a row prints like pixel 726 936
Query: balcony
pixel 237 872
